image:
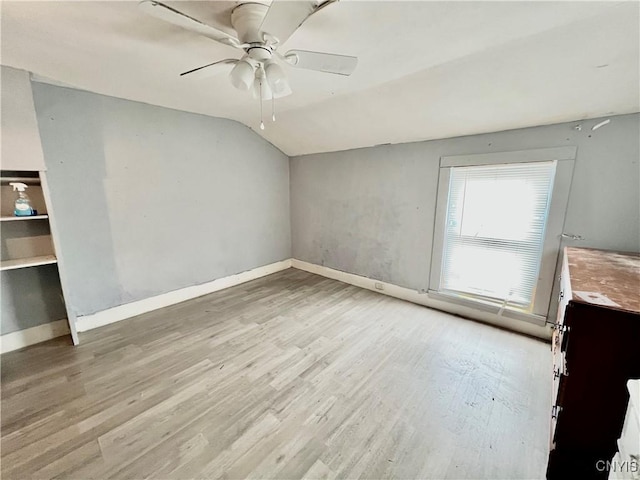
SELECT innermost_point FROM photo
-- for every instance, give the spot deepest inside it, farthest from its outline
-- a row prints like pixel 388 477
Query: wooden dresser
pixel 596 349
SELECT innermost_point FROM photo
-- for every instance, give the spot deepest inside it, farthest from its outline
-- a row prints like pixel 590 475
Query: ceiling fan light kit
pixel 242 76
pixel 260 30
pixel 276 77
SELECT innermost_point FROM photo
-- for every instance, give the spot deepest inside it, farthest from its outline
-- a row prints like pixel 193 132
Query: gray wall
pixel 149 200
pixel 371 211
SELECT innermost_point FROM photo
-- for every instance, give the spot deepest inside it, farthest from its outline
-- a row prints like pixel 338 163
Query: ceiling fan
pixel 260 30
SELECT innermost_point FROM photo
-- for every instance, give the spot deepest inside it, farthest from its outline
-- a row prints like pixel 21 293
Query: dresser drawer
pixel 559 380
pixel 558 376
pixel 564 296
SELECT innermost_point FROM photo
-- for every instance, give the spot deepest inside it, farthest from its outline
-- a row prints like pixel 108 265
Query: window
pixel 499 220
pixel 496 218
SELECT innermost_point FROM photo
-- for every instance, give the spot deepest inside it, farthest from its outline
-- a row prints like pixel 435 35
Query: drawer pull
pixel 565 340
pixel 559 326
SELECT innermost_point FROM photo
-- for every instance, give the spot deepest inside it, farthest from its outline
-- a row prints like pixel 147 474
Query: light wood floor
pixel 289 376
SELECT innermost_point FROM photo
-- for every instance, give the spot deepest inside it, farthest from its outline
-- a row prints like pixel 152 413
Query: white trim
pixel 526 327
pixel 437 249
pixel 128 310
pixel 551 248
pixel 62 272
pixel 518 156
pixel 29 336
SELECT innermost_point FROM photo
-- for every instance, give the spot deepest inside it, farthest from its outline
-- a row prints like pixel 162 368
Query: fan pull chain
pixel 273 107
pixel 261 122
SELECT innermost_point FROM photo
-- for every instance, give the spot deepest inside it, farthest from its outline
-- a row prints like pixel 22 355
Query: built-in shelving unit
pixel 28 262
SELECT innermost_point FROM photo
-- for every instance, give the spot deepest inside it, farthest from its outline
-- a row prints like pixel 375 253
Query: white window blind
pixel 494 231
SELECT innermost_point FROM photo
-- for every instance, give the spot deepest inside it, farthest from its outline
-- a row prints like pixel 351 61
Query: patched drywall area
pixel 149 200
pixel 371 211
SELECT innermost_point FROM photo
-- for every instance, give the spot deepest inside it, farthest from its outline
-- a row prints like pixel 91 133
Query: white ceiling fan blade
pixel 171 15
pixel 285 16
pixel 211 69
pixel 322 62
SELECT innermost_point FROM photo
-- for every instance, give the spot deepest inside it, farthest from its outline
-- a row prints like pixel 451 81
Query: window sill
pixel 490 307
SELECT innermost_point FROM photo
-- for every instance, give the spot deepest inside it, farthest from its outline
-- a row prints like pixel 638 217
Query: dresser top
pixel 604 278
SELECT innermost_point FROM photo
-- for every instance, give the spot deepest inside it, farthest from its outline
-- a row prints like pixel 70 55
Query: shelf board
pixel 26 180
pixel 27 262
pixel 13 218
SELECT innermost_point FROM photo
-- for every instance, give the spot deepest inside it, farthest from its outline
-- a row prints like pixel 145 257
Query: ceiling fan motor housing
pixel 246 19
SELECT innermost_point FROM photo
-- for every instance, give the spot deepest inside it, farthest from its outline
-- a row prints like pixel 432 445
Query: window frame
pixel 565 159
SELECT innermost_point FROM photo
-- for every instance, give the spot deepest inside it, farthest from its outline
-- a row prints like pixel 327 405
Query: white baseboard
pixel 426 300
pixel 23 338
pixel 128 310
pixel 29 336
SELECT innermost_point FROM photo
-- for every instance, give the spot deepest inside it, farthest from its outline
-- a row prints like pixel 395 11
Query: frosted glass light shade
pixel 276 78
pixel 242 75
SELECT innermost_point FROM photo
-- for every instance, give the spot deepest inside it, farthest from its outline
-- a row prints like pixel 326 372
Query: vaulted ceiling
pixel 426 69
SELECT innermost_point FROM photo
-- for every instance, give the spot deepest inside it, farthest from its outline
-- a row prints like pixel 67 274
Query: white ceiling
pixel 426 69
